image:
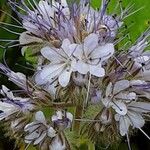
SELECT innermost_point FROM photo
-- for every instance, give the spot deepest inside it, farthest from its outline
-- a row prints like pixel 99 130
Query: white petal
pixel 126 96
pixel 31 127
pixel 90 43
pixel 43 5
pixel 46 10
pixel 51 132
pixel 103 52
pixel 78 53
pixel 64 77
pixel 26 38
pixel 137 82
pixel 54 118
pixel 109 89
pixel 7 109
pixel 136 119
pixel 65 46
pixel 69 116
pixel 39 116
pixel 38 79
pixel 7 92
pixel 73 47
pixel 139 106
pixel 120 86
pixel 32 136
pixel 82 67
pixel 51 54
pixel 59 114
pixel 30 27
pixel 39 139
pixel 97 70
pixel 6 106
pixel 124 124
pixel 49 72
pixel 18 78
pixel 119 107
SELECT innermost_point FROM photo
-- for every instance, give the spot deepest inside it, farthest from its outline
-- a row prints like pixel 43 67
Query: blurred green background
pixel 140 21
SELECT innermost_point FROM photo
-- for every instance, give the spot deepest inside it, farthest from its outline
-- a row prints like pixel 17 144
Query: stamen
pixel 121 65
pixel 128 140
pixel 144 133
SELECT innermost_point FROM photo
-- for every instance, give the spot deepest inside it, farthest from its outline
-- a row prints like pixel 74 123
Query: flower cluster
pixel 79 68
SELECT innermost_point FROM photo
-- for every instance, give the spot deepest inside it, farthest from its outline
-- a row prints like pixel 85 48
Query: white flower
pixel 41 19
pixel 38 130
pixel 105 25
pixel 116 96
pixel 11 104
pixel 90 56
pixel 60 67
pixel 62 118
pixel 133 117
pixel 128 112
pixel 137 49
pixel 140 56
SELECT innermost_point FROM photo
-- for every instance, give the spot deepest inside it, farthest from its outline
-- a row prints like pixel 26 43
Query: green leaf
pixel 29 55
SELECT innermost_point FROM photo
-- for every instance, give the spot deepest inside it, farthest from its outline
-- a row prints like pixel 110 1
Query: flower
pixel 6 110
pixel 140 56
pixel 133 116
pixel 16 77
pixel 38 130
pixel 105 26
pixel 77 69
pixel 127 111
pixel 117 95
pixel 90 56
pixel 61 64
pixel 11 104
pixel 141 44
pixel 62 119
pixel 40 20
